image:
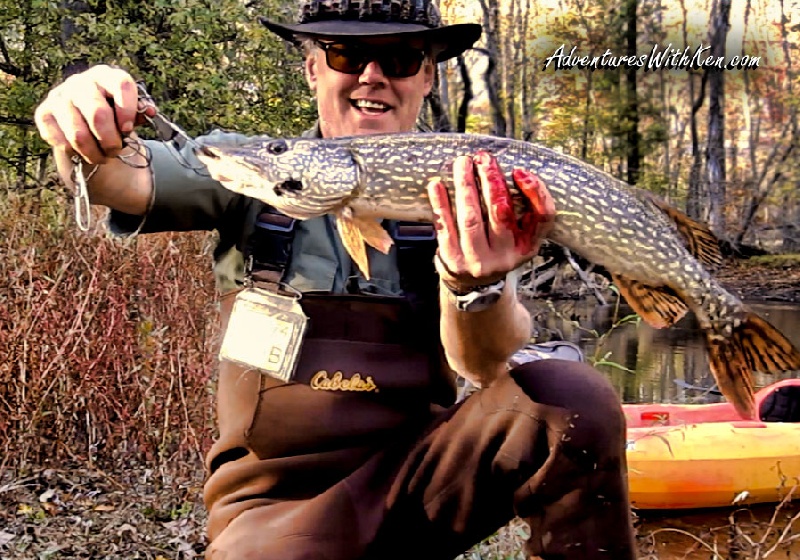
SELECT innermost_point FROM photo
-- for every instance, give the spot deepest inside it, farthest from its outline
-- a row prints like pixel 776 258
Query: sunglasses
pixel 395 62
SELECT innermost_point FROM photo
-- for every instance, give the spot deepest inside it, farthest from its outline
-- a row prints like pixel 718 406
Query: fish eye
pixel 277 147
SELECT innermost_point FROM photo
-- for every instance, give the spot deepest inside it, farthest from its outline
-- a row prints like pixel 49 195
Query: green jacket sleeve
pixel 185 197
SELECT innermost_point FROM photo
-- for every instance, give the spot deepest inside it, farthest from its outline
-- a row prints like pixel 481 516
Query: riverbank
pixel 767 278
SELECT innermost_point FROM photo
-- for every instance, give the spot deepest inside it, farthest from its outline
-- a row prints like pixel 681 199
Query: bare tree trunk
pixel 715 155
pixel 463 108
pixel 491 25
pixel 791 205
pixel 778 157
pixel 587 118
pixel 510 65
pixel 664 92
pixel 790 230
pixel 68 29
pixel 439 117
pixel 632 99
pixel 527 74
pixel 695 187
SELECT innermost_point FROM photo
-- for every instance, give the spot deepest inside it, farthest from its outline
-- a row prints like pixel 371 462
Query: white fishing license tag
pixel 265 331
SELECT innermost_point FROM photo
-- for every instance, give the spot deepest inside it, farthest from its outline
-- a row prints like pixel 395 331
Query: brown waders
pixel 372 470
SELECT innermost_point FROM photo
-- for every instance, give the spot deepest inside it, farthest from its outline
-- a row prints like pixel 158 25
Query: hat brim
pixel 447 41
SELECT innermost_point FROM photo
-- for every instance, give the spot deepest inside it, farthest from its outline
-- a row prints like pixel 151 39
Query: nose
pixel 372 73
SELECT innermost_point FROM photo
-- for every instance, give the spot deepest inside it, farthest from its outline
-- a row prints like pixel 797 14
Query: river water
pixel 671 365
pixel 646 364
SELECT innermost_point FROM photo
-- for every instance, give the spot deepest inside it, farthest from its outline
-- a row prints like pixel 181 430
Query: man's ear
pixel 311 71
pixel 430 70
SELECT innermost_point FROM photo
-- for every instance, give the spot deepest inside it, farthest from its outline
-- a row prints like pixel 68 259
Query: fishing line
pixel 167 132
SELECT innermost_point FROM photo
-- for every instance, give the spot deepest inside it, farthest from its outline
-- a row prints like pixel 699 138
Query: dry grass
pixel 105 342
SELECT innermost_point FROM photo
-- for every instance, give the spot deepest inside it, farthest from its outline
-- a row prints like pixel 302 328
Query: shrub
pixel 107 343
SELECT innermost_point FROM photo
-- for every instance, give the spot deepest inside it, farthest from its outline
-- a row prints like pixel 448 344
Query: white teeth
pixel 366 104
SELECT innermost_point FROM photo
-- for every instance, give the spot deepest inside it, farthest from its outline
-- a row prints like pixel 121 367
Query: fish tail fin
pixel 357 233
pixel 754 346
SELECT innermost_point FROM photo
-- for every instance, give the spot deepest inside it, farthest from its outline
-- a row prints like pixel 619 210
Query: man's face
pixel 367 102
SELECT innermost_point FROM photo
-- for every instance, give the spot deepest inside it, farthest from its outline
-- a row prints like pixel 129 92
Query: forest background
pixel 107 344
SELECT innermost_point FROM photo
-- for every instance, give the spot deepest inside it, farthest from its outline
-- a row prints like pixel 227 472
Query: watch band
pixel 478 298
pixel 469 298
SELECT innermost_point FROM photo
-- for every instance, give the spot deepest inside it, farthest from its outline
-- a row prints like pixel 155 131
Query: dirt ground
pixel 54 513
pixel 137 513
pixel 776 279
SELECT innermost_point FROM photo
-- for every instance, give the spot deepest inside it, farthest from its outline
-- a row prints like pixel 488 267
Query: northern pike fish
pixel 656 255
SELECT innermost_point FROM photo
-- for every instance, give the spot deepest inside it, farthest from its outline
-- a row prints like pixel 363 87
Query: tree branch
pixel 4 50
pixel 10 69
pixel 584 277
pixel 16 121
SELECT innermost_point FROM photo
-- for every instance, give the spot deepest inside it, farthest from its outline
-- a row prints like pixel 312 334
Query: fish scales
pixel 656 255
pixel 399 169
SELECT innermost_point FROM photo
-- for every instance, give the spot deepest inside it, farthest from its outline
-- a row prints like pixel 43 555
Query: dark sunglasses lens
pixel 346 60
pixel 395 63
pixel 401 63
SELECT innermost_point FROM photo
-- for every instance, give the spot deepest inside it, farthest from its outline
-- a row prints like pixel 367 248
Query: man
pixel 362 453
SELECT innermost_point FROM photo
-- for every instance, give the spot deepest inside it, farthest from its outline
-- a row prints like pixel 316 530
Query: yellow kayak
pixel 699 456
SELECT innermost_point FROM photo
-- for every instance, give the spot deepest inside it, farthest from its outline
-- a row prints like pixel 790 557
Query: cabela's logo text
pixel 322 381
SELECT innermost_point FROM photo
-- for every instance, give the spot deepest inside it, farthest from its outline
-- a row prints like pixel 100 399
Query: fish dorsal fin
pixel 659 306
pixel 357 233
pixel 697 237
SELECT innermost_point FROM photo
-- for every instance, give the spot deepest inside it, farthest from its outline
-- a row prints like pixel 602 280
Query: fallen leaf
pixel 105 507
pixel 50 508
pixel 6 538
pixel 127 528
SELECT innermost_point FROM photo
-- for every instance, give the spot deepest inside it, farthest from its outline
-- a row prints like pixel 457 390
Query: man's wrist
pixel 475 298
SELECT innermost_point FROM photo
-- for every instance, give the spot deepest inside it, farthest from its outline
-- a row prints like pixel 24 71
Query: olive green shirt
pixel 186 198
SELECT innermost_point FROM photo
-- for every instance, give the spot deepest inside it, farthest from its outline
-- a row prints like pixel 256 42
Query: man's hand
pixel 88 116
pixel 79 118
pixel 475 249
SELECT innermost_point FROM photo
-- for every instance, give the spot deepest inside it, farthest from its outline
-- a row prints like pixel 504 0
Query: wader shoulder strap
pixel 270 246
pixel 269 251
pixel 416 245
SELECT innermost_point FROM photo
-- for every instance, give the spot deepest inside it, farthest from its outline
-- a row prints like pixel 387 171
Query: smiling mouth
pixel 369 107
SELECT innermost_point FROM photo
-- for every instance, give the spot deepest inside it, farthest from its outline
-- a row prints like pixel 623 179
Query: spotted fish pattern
pixel 658 257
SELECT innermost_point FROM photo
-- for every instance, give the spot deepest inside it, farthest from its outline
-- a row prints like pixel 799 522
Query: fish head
pixel 302 178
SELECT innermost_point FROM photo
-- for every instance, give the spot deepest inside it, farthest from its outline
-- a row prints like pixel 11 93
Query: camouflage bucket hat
pixel 372 18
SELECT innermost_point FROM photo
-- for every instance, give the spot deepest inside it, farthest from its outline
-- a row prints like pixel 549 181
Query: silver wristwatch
pixel 479 297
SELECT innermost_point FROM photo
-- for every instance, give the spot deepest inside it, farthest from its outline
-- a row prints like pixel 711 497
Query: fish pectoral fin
pixel 660 307
pixel 357 233
pixel 697 237
pixel 374 234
